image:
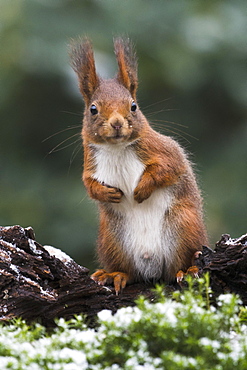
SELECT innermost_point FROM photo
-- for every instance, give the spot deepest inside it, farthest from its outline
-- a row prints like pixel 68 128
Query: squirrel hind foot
pixel 193 270
pixel 118 279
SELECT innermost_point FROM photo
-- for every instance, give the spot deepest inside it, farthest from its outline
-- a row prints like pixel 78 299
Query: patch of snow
pixel 14 268
pixel 42 291
pixel 55 252
pixel 3 308
pixel 33 247
pixel 236 241
pixel 7 244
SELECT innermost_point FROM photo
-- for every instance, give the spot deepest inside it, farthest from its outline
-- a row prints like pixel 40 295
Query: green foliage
pixel 243 314
pixel 183 331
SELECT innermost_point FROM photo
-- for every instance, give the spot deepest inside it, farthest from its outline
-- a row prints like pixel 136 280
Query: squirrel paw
pixel 110 194
pixel 193 271
pixel 141 194
pixel 119 279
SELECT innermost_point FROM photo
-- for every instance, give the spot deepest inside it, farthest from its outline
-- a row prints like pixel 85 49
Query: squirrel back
pixel 151 219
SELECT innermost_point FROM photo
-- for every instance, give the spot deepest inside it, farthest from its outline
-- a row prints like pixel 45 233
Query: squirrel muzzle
pixel 117 128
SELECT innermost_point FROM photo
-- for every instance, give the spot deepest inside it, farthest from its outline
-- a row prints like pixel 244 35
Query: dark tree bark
pixel 227 266
pixel 42 283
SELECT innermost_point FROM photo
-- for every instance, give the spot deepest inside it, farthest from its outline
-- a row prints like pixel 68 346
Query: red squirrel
pixel 150 207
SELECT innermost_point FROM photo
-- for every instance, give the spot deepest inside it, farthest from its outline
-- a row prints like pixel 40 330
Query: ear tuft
pixel 127 64
pixel 82 62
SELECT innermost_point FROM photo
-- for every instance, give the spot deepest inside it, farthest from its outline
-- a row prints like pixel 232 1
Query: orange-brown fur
pixel 165 167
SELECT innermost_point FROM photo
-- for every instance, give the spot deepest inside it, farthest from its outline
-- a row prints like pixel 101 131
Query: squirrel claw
pixel 119 279
pixel 180 276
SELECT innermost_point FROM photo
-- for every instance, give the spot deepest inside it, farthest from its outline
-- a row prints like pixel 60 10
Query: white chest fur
pixel 147 236
pixel 118 166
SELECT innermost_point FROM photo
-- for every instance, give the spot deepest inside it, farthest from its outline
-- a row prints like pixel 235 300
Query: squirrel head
pixel 111 111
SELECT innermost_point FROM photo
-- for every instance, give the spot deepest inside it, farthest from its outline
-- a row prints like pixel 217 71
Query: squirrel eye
pixel 93 109
pixel 133 107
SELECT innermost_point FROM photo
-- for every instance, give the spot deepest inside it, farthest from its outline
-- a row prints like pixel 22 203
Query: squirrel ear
pixel 127 64
pixel 82 62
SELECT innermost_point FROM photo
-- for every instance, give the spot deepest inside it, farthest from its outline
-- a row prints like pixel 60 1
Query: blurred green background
pixel 193 86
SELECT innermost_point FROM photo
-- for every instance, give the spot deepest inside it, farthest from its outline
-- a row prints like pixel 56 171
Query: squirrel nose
pixel 116 121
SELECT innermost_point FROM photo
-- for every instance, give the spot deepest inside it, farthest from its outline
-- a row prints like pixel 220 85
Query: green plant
pixel 183 331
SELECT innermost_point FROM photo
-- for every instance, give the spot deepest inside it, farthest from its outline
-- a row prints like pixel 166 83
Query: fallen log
pixel 227 266
pixel 41 282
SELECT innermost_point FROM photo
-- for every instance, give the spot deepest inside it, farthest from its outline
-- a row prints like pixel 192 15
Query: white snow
pixel 58 254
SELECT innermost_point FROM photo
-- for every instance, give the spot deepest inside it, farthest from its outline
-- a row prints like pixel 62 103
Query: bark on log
pixel 227 266
pixel 41 283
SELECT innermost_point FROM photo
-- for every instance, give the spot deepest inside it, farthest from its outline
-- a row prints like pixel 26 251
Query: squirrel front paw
pixel 111 194
pixel 144 188
pixel 119 279
pixel 141 193
pixel 106 193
